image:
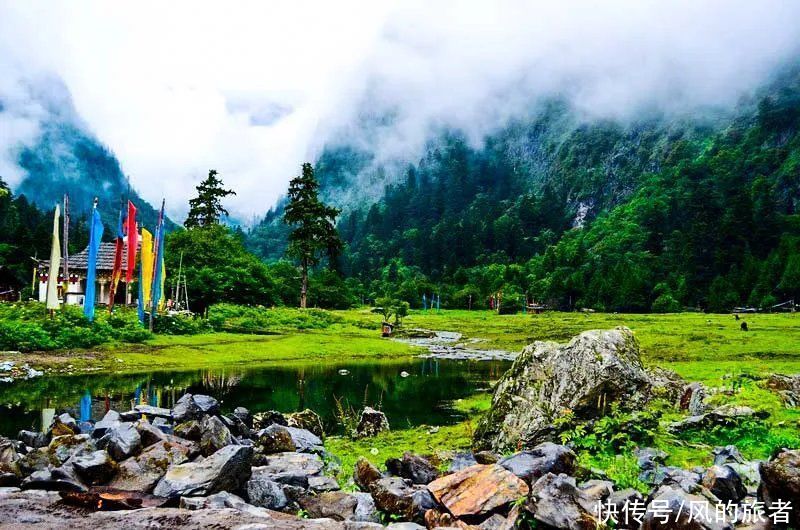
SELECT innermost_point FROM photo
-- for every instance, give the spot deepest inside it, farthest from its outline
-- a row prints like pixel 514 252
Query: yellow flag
pixel 55 264
pixel 146 256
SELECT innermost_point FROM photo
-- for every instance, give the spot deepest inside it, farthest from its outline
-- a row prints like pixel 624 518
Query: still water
pixel 411 392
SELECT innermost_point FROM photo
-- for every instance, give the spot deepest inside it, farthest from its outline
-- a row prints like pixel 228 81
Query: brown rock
pixel 477 489
pixel 336 505
pixel 437 519
pixel 365 474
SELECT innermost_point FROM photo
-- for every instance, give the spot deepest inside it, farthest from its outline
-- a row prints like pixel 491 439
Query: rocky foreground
pixel 194 467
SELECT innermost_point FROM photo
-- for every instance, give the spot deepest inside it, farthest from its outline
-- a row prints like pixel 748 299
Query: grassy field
pixel 707 348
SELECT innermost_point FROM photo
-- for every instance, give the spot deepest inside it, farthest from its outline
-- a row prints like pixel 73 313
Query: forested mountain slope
pixel 658 214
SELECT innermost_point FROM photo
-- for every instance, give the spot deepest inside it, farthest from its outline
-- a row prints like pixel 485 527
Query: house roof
pixel 105 258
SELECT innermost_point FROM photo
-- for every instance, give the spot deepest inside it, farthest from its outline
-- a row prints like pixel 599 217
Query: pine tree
pixel 206 209
pixel 314 229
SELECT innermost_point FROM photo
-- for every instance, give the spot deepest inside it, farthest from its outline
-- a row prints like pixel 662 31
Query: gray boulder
pixel 244 416
pixel 156 412
pixel 189 430
pixel 371 423
pixel 142 472
pixel 414 468
pixel 148 432
pixel 186 409
pixel 336 505
pixel 322 484
pixel 542 459
pixel 215 435
pixel 94 468
pixel 585 376
pixel 724 482
pixel 725 415
pixel 262 420
pixel 226 470
pixel 461 461
pixel 109 421
pixel 33 439
pixel 266 493
pixel 304 440
pixel 555 501
pixel 693 399
pixel 290 468
pixel 206 404
pixel 275 439
pixel 673 514
pixel 62 448
pixel 121 441
pixel 624 502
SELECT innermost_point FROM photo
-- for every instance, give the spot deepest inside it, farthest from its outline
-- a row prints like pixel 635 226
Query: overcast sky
pixel 254 89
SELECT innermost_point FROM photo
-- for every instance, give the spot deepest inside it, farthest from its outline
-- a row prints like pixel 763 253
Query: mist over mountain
pixel 61 155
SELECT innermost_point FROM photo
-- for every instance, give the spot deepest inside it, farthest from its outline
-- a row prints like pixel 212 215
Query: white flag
pixel 55 265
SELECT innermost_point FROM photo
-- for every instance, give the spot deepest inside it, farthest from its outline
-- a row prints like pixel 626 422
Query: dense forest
pixel 661 214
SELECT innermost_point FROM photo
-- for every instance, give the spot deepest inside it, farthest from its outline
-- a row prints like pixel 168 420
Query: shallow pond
pixel 411 391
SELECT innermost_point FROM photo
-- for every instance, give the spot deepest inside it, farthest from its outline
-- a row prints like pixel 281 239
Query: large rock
pixel 109 421
pixel 307 419
pixel 290 468
pixel 670 510
pixel 786 386
pixel 225 470
pixel 724 482
pixel 478 489
pixel 62 448
pixel 780 481
pixel 142 472
pixel 583 378
pixel 33 439
pixel 215 435
pixel 304 440
pixel 365 473
pixel 414 468
pixel 542 459
pixel 148 432
pixel 262 420
pixel 372 422
pixel 266 493
pixel 186 409
pixel 206 404
pixel 94 468
pixel 336 505
pixel 394 496
pixel 275 439
pixel 121 441
pixel 557 502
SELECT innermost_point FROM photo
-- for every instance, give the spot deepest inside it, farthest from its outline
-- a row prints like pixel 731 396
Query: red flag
pixel 133 241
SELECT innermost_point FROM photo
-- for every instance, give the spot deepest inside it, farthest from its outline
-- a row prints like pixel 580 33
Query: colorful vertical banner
pixel 55 264
pixel 95 237
pixel 146 266
pixel 116 273
pixel 158 264
pixel 133 241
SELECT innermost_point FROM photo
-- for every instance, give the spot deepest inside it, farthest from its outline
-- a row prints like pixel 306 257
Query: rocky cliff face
pixel 550 381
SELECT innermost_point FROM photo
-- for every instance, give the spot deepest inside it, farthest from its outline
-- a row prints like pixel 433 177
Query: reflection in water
pixel 422 395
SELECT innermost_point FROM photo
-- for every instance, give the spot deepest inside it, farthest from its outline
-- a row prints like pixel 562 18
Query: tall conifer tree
pixel 206 209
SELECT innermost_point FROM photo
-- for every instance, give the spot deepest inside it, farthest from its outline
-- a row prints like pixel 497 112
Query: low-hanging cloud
pixel 254 89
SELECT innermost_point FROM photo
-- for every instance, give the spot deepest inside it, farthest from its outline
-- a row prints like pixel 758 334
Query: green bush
pixel 258 319
pixel 180 325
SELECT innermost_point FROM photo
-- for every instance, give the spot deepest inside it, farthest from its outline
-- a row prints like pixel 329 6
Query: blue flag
pixel 95 235
pixel 140 302
pixel 159 266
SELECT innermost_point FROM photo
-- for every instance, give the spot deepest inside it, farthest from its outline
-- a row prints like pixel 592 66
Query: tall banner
pixel 158 263
pixel 133 241
pixel 55 264
pixel 116 273
pixel 95 236
pixel 146 266
pixel 140 300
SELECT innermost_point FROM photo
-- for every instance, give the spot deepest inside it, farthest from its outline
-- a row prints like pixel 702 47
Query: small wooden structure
pixel 386 329
pixel 537 309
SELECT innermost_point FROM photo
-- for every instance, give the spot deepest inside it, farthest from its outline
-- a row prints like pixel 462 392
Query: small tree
pixel 314 226
pixel 206 209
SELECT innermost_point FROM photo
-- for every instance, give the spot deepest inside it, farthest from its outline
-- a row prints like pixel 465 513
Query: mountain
pixel 66 157
pixel 666 212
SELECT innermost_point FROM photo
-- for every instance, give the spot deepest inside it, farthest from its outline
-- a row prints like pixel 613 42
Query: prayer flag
pixel 116 273
pixel 146 267
pixel 95 236
pixel 55 264
pixel 133 241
